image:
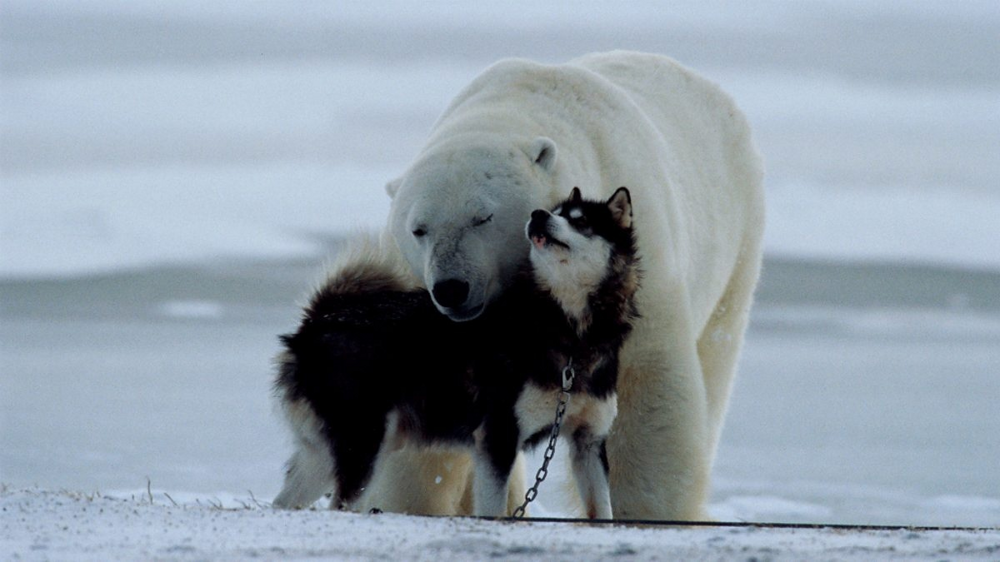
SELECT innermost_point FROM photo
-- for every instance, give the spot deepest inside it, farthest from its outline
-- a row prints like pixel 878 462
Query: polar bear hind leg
pixel 722 339
pixel 658 446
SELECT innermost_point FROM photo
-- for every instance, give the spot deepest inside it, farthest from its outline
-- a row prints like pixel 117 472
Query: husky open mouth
pixel 539 231
pixel 542 240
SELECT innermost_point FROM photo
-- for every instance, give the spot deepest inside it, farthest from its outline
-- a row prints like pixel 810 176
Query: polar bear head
pixel 458 216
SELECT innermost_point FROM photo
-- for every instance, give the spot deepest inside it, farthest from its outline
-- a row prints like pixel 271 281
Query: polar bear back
pixel 708 163
pixel 644 121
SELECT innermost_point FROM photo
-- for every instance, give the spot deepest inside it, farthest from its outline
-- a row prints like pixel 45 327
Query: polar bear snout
pixel 450 293
pixel 457 299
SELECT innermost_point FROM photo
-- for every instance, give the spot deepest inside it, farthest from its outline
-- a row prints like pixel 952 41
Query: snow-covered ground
pixel 173 174
pixel 61 525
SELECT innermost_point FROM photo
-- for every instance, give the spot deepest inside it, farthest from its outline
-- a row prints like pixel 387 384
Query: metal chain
pixel 568 374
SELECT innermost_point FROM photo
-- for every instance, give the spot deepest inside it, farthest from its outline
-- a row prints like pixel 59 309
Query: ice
pixel 767 508
pixel 191 309
pixel 141 217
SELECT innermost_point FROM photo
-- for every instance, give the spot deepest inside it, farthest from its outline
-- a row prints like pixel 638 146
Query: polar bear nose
pixel 451 293
pixel 539 215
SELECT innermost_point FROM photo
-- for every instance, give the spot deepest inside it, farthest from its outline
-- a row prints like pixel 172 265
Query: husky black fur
pixel 373 362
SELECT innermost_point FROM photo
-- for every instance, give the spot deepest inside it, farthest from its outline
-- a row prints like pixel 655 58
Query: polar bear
pixel 520 137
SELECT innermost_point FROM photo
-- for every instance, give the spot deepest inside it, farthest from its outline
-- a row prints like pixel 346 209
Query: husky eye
pixel 578 220
pixel 481 222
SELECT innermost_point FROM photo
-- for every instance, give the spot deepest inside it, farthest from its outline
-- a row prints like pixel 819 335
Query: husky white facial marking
pixel 571 274
pixel 569 263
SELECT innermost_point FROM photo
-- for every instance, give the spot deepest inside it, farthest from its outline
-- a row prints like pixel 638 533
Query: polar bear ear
pixel 392 187
pixel 543 153
pixel 621 207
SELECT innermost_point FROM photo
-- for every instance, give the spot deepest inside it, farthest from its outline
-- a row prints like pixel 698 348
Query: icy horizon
pixel 143 133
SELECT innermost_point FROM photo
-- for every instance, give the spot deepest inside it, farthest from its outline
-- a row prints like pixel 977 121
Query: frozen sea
pixel 173 176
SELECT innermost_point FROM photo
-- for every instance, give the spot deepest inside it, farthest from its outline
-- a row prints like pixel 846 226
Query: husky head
pixel 573 247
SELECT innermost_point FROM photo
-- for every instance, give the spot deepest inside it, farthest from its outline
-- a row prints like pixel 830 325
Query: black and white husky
pixel 374 363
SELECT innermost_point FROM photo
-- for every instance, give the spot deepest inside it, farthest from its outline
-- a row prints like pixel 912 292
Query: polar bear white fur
pixel 520 137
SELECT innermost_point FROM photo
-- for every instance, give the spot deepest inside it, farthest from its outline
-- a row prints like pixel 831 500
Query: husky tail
pixel 313 390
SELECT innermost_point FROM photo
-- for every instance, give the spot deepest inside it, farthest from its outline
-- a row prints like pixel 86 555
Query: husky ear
pixel 621 207
pixel 575 196
pixel 392 187
pixel 543 153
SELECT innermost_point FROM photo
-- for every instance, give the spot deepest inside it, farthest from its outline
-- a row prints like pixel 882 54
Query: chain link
pixel 568 374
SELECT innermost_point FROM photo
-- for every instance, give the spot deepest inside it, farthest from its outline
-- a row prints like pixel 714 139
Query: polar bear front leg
pixel 516 489
pixel 419 480
pixel 658 448
pixel 424 481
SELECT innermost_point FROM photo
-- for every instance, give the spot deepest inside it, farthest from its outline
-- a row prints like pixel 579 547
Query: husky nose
pixel 539 223
pixel 451 292
pixel 539 215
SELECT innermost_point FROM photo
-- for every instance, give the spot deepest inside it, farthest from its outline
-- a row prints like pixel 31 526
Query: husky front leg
pixel 357 443
pixel 489 488
pixel 590 470
pixel 496 450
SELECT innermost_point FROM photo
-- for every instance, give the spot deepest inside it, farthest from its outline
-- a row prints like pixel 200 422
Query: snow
pixel 42 525
pixel 173 175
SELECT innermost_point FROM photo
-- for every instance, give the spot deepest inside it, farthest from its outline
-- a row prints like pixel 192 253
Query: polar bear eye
pixel 481 222
pixel 419 231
